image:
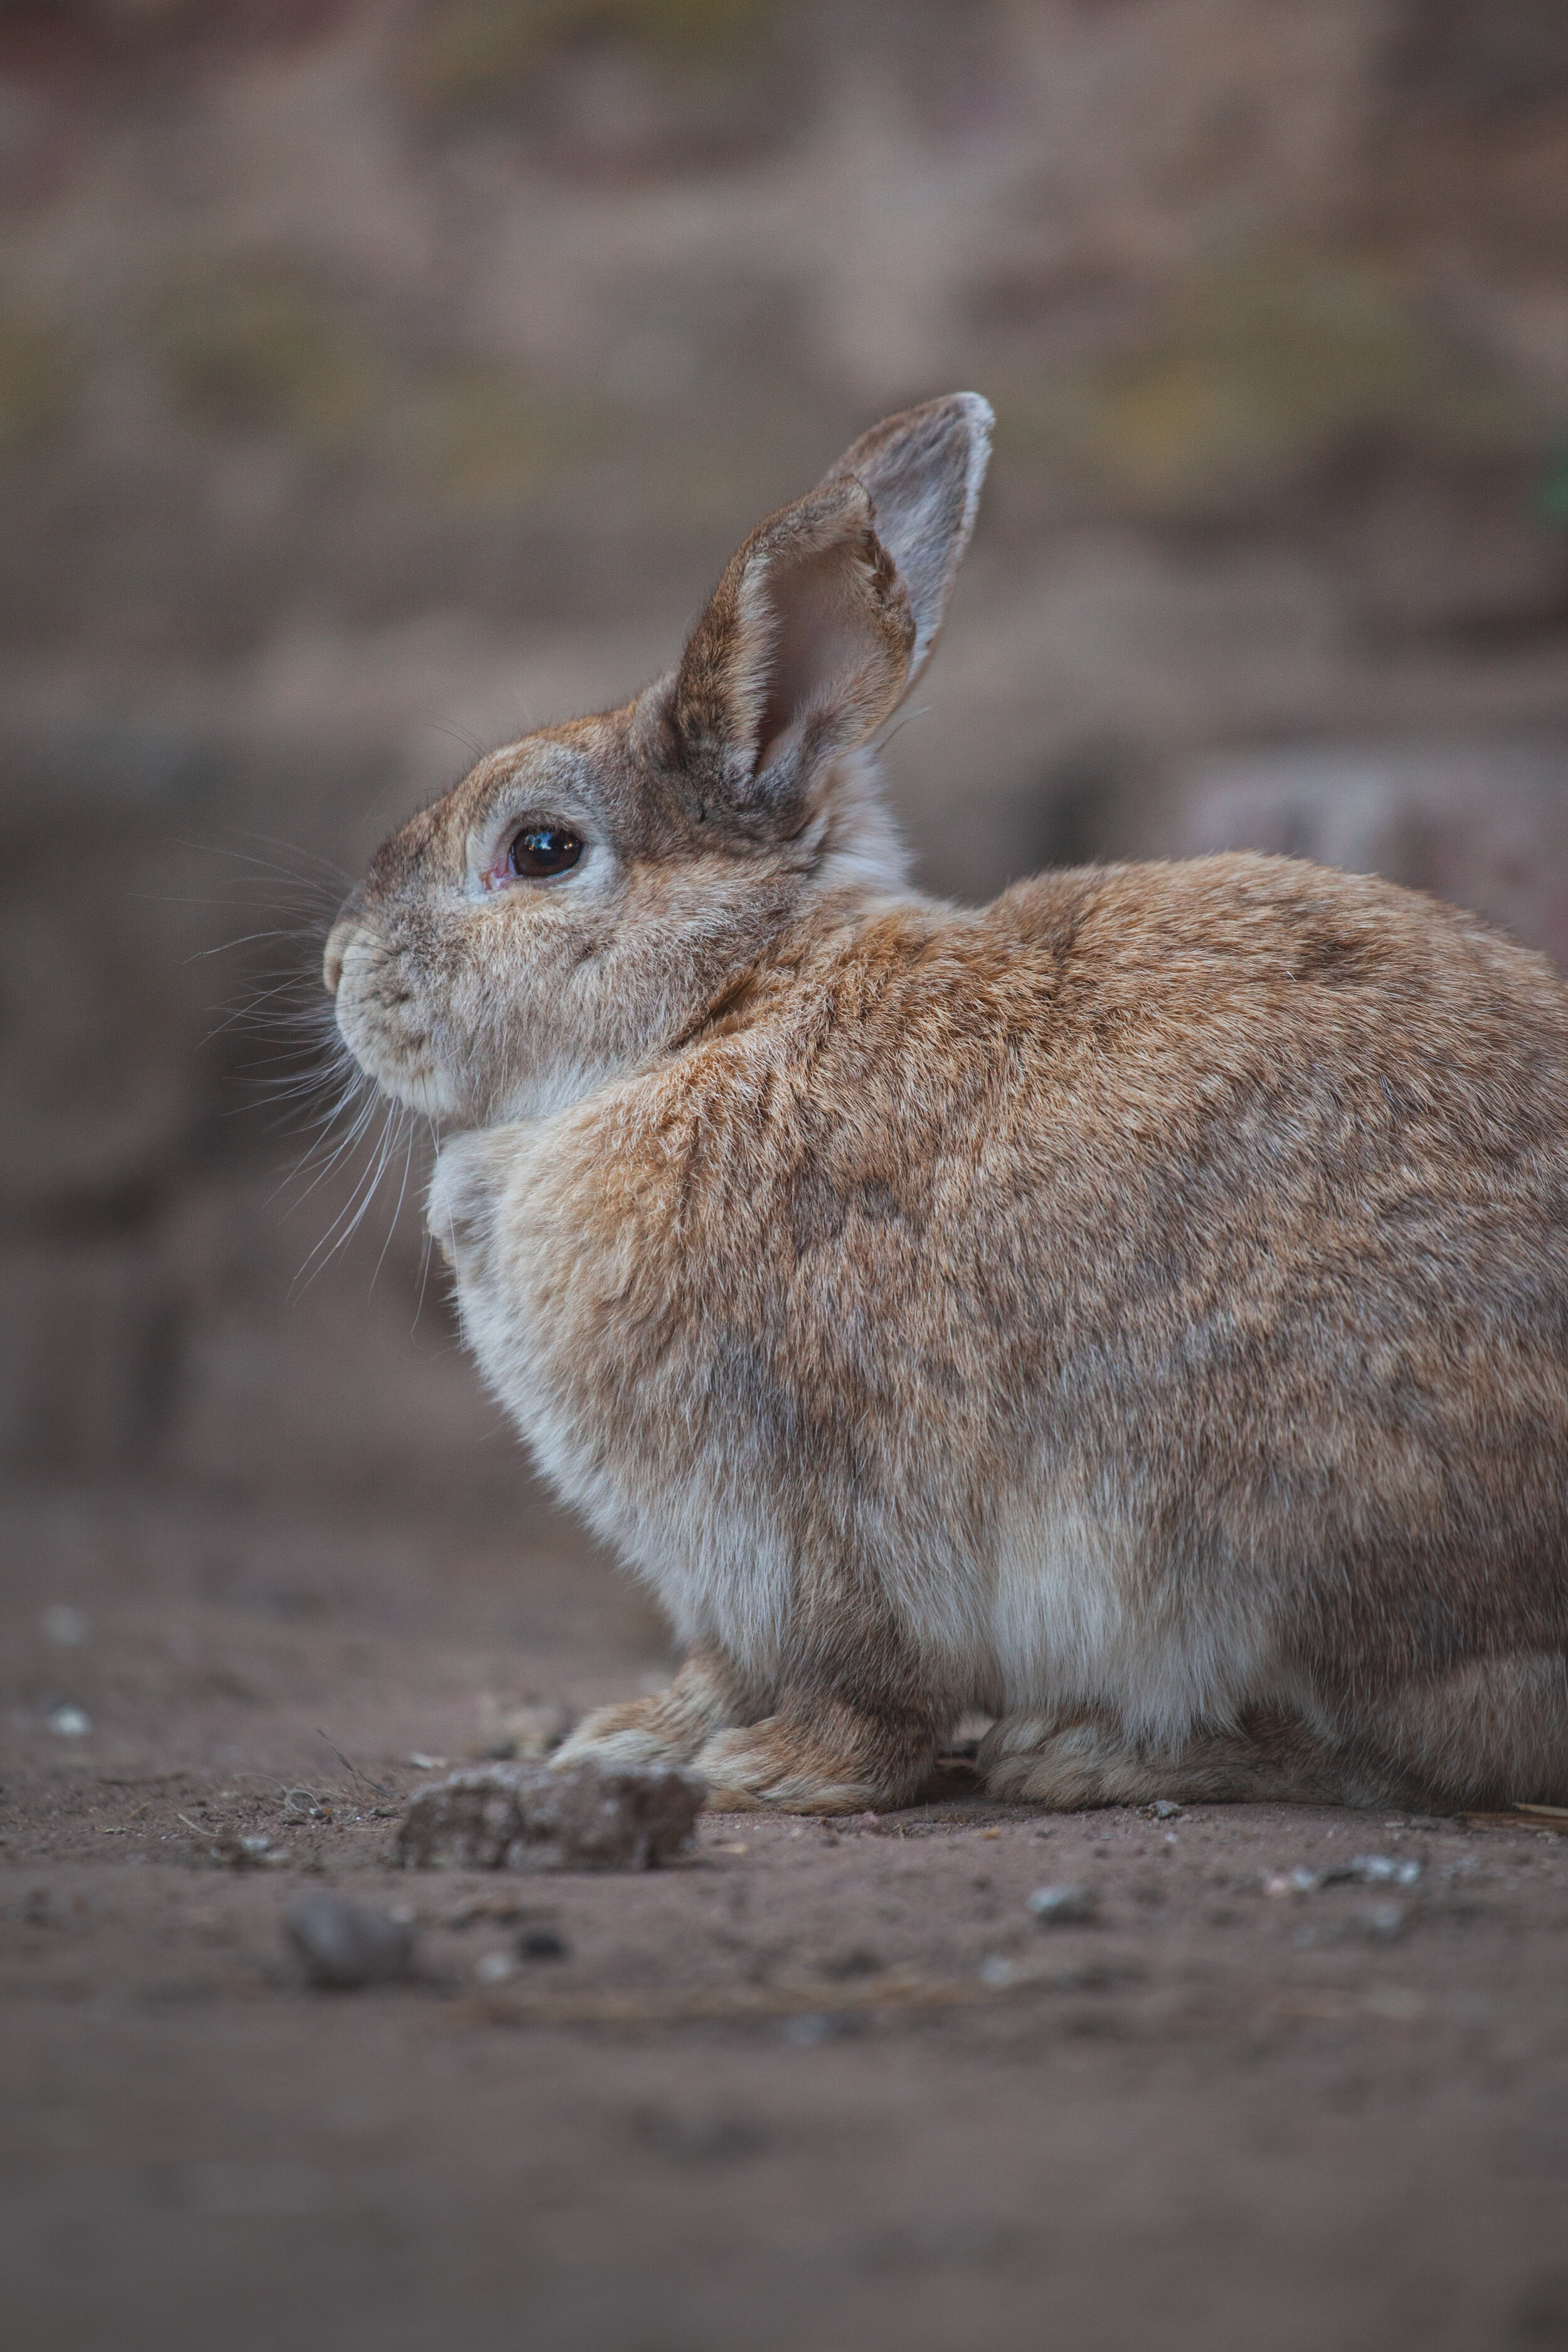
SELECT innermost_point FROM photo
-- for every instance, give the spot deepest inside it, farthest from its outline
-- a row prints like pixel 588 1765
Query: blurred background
pixel 380 377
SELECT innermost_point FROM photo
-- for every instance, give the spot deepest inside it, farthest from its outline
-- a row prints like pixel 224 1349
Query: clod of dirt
pixel 1065 1906
pixel 530 1817
pixel 342 1946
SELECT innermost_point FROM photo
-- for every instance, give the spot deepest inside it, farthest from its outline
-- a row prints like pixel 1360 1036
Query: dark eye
pixel 544 847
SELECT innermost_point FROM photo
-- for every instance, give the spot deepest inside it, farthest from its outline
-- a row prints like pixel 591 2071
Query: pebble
pixel 495 1967
pixel 67 1722
pixel 1064 1905
pixel 530 1817
pixel 1163 1809
pixel 343 1946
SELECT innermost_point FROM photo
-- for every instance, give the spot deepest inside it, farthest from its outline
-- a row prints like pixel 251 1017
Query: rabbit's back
pixel 1202 1230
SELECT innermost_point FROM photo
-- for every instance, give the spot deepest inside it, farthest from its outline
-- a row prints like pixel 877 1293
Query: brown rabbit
pixel 1137 1309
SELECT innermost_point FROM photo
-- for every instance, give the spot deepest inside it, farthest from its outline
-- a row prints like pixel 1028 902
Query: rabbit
pixel 1136 1309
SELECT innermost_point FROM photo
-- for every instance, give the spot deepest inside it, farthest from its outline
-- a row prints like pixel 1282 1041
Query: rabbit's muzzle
pixel 379 1015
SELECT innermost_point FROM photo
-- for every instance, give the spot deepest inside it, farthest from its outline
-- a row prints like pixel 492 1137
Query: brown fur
pixel 1137 1309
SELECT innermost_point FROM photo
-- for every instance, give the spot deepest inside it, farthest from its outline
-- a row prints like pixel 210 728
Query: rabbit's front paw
pixel 459 1206
pixel 669 1726
pixel 786 1765
pixel 631 1735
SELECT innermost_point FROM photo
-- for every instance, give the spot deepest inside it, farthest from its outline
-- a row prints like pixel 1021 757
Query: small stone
pixel 1065 1906
pixel 530 1817
pixel 1163 1809
pixel 67 1722
pixel 859 1960
pixel 543 1944
pixel 1384 1923
pixel 495 1967
pixel 342 1946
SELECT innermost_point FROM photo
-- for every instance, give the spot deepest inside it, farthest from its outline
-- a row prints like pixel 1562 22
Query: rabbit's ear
pixel 803 652
pixel 924 470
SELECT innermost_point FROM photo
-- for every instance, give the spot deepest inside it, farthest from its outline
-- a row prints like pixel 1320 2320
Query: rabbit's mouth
pixel 379 1020
pixel 402 1066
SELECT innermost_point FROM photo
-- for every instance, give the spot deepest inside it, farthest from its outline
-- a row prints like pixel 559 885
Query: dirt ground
pixel 818 2090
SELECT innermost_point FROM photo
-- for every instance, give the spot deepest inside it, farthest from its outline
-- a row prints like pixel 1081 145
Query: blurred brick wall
pixel 376 379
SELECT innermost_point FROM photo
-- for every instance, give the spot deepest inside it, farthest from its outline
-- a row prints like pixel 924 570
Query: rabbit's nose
pixel 337 946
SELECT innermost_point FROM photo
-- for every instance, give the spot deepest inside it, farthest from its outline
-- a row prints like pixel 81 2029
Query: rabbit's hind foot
pixel 828 1758
pixel 1070 1765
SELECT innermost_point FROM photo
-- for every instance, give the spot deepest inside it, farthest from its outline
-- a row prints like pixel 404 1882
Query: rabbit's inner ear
pixel 924 471
pixel 828 663
pixel 802 654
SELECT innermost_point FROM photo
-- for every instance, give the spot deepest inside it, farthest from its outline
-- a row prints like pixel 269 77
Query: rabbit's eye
pixel 543 847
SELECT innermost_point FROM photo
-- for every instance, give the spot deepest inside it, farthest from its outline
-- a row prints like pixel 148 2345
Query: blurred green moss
pixel 269 348
pixel 477 429
pixel 460 53
pixel 1268 364
pixel 40 382
pixel 1554 492
pixel 261 347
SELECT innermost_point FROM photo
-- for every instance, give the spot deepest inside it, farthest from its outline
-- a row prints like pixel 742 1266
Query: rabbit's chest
pixel 601 1326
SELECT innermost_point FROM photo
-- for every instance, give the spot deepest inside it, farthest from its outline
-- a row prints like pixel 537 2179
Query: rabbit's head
pixel 585 895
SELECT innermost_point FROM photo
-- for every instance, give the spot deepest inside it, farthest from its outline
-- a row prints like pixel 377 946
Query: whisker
pixel 470 743
pixel 397 1205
